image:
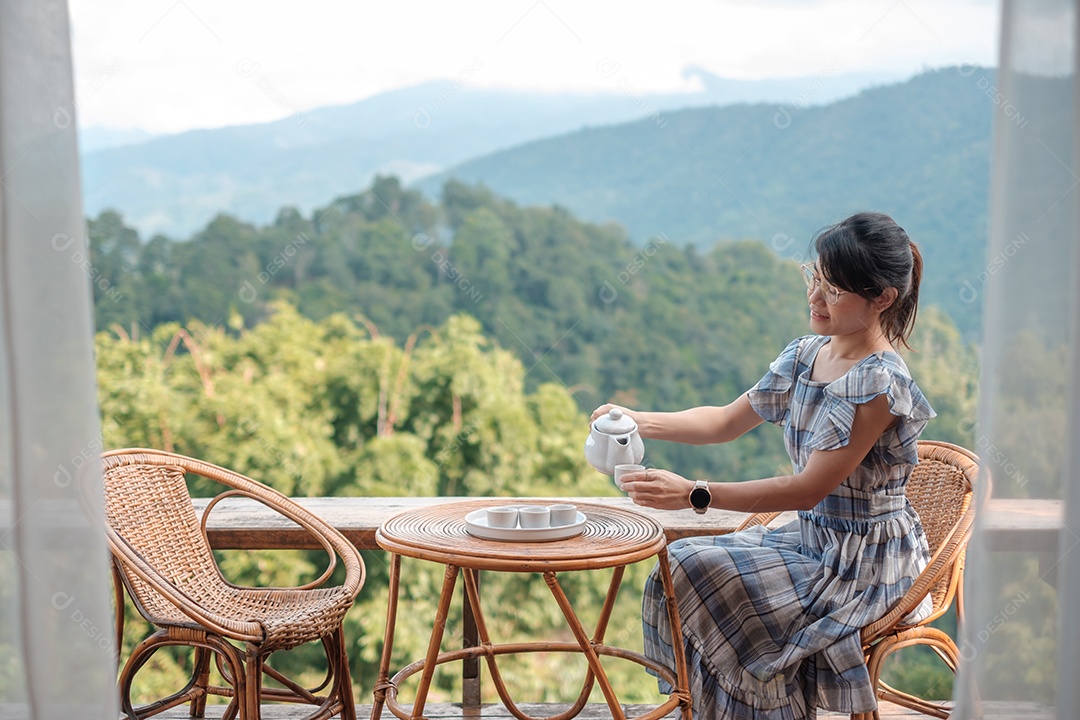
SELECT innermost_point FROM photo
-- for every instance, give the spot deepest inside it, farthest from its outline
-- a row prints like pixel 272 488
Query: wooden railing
pixel 1010 525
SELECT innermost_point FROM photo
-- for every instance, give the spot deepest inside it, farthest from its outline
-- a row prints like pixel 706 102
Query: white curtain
pixel 1021 639
pixel 56 648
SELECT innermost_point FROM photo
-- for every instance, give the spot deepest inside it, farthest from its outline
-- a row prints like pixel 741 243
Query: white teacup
pixel 563 514
pixel 502 517
pixel 626 469
pixel 534 516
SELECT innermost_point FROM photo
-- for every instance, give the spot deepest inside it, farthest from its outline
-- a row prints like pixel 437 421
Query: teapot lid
pixel 615 423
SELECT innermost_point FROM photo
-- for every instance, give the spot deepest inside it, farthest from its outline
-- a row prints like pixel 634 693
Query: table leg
pixel 470 666
pixel 432 657
pixel 609 604
pixel 586 646
pixel 383 682
pixel 472 591
pixel 472 601
pixel 682 688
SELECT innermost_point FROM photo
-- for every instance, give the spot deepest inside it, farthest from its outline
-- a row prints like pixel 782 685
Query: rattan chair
pixel 940 489
pixel 161 556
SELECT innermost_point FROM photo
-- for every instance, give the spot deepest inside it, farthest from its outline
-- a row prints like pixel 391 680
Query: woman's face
pixel 851 314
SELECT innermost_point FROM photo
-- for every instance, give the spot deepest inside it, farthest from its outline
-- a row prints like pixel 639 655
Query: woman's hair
pixel 867 253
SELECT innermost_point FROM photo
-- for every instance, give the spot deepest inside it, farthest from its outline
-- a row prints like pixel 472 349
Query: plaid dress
pixel 771 618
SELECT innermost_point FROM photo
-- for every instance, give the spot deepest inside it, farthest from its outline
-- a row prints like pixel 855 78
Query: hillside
pixel 662 327
pixel 175 184
pixel 918 150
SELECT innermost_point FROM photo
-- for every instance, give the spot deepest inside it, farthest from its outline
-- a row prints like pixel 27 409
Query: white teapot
pixel 613 440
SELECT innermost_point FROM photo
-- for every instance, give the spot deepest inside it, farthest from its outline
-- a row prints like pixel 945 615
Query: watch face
pixel 700 497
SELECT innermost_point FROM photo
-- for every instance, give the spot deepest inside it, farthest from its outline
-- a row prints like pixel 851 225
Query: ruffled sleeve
pixel 771 397
pixel 882 374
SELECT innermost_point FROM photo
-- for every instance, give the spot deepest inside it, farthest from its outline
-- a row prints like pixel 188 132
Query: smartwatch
pixel 700 497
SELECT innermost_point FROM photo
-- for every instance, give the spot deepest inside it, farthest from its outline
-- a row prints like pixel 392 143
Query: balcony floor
pixel 453 711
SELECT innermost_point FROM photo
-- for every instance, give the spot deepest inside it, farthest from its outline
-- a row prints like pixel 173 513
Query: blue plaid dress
pixel 771 618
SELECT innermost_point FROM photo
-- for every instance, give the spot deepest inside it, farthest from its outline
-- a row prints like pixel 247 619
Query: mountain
pixel 918 150
pixel 175 184
pixel 94 138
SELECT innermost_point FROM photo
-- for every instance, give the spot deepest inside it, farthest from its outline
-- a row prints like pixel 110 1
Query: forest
pixel 657 327
pixel 391 345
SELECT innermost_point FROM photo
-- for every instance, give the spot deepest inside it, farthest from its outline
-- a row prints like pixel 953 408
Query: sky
pixel 165 66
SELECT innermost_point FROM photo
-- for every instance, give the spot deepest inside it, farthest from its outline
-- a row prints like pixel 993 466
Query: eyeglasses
pixel 830 293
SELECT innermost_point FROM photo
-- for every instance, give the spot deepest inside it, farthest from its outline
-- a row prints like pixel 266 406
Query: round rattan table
pixel 611 538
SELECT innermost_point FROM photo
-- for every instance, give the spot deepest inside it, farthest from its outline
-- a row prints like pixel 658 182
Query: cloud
pixel 170 65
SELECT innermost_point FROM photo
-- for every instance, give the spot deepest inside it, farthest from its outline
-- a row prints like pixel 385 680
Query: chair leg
pixel 118 610
pixel 197 709
pixel 140 654
pixel 343 678
pixel 196 690
pixel 338 683
pixel 250 706
pixel 337 700
pixel 937 640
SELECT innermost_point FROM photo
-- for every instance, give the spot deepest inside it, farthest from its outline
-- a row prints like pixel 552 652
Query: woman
pixel 771 619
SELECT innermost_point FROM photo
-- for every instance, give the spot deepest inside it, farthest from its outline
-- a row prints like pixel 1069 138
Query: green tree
pixel 113 269
pixel 947 370
pixel 328 407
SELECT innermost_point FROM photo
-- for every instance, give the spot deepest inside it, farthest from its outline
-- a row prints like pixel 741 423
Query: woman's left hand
pixel 660 489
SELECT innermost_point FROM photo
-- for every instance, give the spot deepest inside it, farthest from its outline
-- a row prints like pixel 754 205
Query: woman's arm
pixel 825 471
pixel 697 426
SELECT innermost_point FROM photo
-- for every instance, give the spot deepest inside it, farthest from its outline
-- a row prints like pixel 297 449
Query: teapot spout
pixel 631 450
